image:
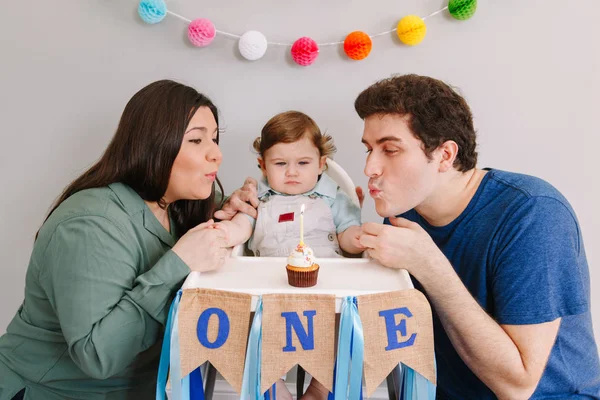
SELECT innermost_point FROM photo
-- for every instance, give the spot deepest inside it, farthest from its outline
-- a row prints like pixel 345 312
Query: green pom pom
pixel 462 9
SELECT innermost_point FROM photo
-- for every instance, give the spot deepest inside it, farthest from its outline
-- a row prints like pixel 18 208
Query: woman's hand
pixel 203 248
pixel 244 199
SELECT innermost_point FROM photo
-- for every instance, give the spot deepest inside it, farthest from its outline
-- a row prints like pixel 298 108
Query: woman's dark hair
pixel 436 112
pixel 144 147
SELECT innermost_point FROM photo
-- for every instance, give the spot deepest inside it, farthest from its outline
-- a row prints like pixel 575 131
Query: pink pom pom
pixel 201 32
pixel 305 51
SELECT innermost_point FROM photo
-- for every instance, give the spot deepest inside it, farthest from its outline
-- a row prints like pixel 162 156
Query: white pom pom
pixel 252 45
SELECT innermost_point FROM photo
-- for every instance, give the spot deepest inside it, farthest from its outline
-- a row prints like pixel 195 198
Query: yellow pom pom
pixel 411 30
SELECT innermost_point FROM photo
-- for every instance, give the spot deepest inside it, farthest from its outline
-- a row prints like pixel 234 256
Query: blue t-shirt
pixel 518 249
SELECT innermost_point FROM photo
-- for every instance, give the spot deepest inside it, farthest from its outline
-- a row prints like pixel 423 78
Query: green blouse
pixel 98 289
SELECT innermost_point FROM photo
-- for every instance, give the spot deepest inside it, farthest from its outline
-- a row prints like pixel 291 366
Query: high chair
pixel 341 177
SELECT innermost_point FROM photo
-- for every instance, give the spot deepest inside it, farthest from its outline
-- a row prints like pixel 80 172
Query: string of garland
pixel 411 30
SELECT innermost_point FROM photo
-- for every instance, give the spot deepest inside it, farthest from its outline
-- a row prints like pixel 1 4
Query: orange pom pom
pixel 357 45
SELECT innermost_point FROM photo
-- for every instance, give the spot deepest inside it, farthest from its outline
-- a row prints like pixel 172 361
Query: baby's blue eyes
pixel 281 163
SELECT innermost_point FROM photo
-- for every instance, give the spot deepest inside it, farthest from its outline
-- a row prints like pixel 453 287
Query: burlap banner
pixel 397 328
pixel 213 326
pixel 298 329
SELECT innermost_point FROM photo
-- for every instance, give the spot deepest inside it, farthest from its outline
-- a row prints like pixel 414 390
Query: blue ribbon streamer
pixel 358 350
pixel 414 386
pixel 408 383
pixel 165 358
pixel 251 380
pixel 349 364
pixel 179 387
pixel 196 385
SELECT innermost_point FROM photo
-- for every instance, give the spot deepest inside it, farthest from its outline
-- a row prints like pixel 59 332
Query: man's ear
pixel 322 163
pixel 261 164
pixel 445 155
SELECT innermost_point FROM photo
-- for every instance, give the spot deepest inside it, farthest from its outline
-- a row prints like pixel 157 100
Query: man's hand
pixel 403 245
pixel 244 199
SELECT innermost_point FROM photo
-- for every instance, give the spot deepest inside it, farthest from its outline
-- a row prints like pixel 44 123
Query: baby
pixel 292 157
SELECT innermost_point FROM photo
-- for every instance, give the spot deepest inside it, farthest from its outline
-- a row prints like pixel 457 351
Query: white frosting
pixel 302 257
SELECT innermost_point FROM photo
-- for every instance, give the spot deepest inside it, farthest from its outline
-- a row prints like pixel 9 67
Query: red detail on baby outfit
pixel 287 217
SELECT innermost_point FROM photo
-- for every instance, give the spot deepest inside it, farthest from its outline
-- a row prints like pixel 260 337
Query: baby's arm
pixel 346 216
pixel 238 229
pixel 349 240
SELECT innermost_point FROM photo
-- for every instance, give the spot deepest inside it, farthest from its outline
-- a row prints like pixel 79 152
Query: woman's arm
pixel 108 311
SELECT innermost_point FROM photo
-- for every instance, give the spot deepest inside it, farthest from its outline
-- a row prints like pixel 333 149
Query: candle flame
pixel 302 209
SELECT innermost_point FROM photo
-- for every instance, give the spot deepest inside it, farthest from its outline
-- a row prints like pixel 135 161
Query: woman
pixel 116 246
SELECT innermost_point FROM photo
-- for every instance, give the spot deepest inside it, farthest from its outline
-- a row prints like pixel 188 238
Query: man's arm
pixel 509 359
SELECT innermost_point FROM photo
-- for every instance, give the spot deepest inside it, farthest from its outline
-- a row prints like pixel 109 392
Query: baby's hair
pixel 289 127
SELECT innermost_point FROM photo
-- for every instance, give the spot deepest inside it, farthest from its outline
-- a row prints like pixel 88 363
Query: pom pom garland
pixel 411 30
pixel 252 45
pixel 305 51
pixel 462 9
pixel 357 45
pixel 201 32
pixel 152 11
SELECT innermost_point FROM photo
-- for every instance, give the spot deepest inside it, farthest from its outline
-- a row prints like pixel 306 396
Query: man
pixel 499 255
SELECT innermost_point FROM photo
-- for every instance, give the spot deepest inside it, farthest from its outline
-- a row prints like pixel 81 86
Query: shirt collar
pixel 136 207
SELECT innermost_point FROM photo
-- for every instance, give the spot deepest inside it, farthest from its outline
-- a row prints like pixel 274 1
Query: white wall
pixel 529 69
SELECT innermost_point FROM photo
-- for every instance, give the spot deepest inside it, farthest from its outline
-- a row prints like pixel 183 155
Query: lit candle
pixel 302 224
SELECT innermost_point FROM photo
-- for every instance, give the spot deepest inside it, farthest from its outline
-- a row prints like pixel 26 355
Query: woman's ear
pixel 322 163
pixel 261 164
pixel 447 153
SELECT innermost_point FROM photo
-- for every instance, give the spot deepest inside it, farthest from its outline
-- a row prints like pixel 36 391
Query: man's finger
pixel 248 195
pixel 368 241
pixel 372 253
pixel 372 228
pixel 401 222
pixel 251 181
pixel 246 209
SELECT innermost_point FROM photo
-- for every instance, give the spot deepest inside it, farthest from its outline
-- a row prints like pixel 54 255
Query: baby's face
pixel 292 168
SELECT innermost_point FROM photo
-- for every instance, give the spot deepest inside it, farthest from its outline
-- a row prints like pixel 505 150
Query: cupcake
pixel 301 268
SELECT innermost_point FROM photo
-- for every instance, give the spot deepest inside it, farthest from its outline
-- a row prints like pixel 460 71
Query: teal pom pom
pixel 152 11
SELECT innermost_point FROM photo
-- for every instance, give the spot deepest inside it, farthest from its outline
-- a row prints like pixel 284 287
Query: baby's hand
pixel 350 240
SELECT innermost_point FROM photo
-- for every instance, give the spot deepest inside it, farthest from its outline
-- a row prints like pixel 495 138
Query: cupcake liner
pixel 302 278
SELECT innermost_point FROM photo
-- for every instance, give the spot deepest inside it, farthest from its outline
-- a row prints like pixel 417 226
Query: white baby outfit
pixel 328 211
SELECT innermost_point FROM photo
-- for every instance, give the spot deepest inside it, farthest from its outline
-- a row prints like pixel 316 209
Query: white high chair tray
pixel 338 276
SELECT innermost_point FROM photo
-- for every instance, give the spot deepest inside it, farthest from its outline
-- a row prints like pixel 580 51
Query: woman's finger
pixel 203 225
